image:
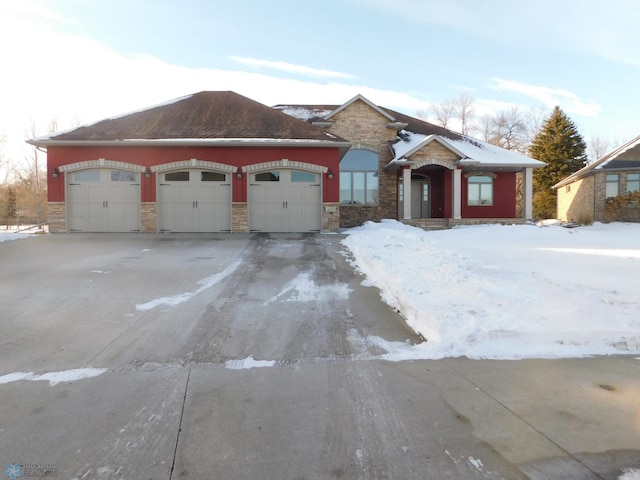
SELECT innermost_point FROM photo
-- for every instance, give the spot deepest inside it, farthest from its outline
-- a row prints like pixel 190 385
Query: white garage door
pixel 285 201
pixel 194 201
pixel 103 200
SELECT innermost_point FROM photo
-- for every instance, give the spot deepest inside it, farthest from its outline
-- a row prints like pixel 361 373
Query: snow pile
pixel 248 363
pixel 507 292
pixel 205 284
pixel 303 289
pixel 631 474
pixel 54 377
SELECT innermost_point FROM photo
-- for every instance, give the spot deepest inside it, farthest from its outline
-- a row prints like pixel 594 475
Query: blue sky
pixel 84 60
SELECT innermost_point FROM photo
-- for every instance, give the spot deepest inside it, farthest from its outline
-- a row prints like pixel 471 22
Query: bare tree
pixel 4 184
pixel 508 130
pixel 534 118
pixel 597 147
pixel 459 108
pixel 31 184
pixel 444 111
pixel 464 111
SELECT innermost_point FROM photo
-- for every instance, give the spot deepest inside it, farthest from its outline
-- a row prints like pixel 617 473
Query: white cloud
pixel 290 68
pixel 49 74
pixel 578 26
pixel 551 97
pixel 30 9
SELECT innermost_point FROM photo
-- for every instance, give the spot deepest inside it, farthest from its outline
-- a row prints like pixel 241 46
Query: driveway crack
pixel 184 401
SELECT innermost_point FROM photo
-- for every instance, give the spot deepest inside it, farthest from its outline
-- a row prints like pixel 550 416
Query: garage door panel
pixel 290 202
pixel 103 200
pixel 194 201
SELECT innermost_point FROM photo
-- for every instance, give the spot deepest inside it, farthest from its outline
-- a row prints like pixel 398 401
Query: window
pixel 123 176
pixel 177 176
pixel 212 177
pixel 359 178
pixel 480 190
pixel 306 177
pixel 87 176
pixel 633 182
pixel 611 185
pixel 268 176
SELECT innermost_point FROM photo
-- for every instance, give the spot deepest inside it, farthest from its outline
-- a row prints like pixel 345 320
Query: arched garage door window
pixel 359 178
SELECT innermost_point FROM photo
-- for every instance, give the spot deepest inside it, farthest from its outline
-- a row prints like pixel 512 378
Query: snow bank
pixel 507 292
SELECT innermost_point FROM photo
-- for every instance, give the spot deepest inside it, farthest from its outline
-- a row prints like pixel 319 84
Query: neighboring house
pixel 218 161
pixel 582 195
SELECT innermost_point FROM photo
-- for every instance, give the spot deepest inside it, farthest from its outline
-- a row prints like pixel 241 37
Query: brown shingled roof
pixel 315 113
pixel 204 115
pixel 416 125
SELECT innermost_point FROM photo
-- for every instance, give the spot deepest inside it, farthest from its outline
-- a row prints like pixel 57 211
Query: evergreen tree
pixel 563 149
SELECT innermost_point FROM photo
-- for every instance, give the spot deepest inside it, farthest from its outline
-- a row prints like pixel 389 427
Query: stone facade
pixel 575 201
pixel 56 215
pixel 599 196
pixel 367 129
pixel 436 151
pixel 484 221
pixel 330 217
pixel 583 200
pixel 239 217
pixel 149 217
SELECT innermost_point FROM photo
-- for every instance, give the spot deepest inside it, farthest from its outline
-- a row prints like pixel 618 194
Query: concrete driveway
pixel 247 356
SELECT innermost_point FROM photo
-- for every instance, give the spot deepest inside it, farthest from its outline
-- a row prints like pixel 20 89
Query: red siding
pixel 504 199
pixel 235 156
pixel 448 194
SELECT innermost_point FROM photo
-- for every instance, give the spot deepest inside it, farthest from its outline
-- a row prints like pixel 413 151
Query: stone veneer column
pixel 239 217
pixel 330 217
pixel 149 217
pixel 56 217
pixel 528 193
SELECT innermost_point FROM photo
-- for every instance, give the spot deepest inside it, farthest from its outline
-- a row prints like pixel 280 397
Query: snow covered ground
pixel 506 292
pixel 6 236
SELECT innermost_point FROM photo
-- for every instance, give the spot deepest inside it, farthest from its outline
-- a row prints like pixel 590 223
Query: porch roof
pixel 471 152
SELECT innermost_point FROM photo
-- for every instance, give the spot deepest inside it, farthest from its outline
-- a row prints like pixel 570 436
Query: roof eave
pixel 471 162
pixel 186 142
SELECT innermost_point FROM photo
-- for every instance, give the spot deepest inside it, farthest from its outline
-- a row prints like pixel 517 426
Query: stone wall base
pixel 330 217
pixel 239 217
pixel 486 221
pixel 149 217
pixel 56 215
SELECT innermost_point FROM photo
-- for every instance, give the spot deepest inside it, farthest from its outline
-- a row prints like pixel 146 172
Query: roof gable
pixel 204 115
pixel 414 134
pixel 626 156
pixel 360 98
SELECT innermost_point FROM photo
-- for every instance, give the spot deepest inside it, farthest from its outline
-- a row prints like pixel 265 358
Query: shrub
pixel 623 208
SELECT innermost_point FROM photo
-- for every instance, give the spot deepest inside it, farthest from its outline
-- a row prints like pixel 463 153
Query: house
pixel 582 196
pixel 220 162
pixel 405 168
pixel 208 162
